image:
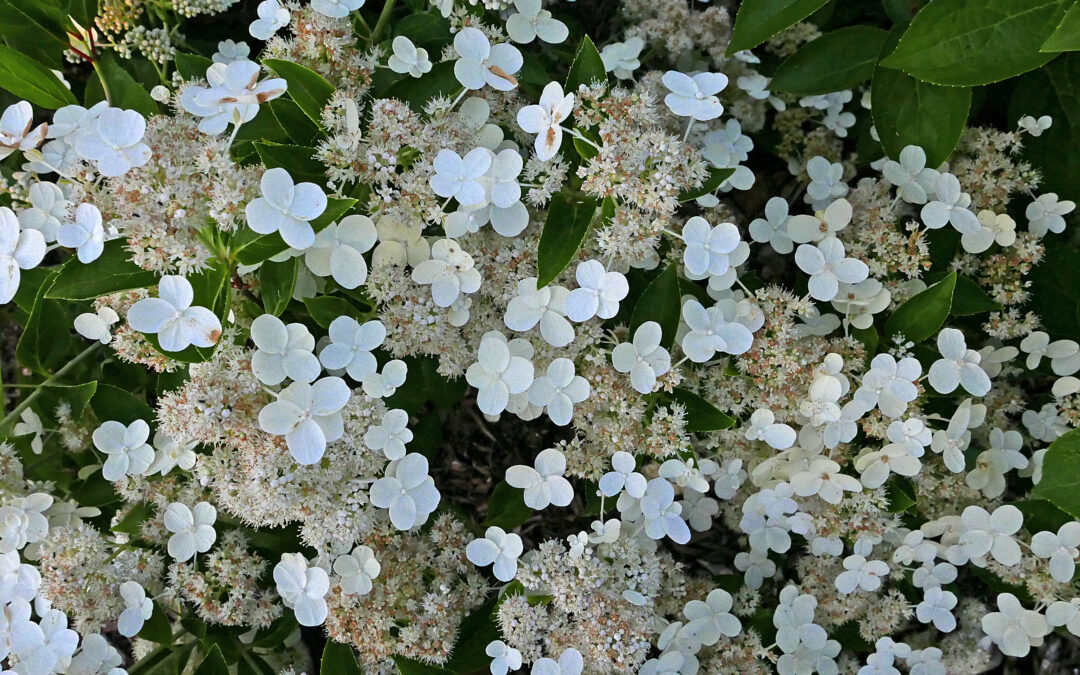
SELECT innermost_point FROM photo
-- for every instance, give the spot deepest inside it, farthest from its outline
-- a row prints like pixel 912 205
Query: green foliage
pixel 112 272
pixel 1053 90
pixel 586 68
pixel 911 112
pixel 276 280
pixel 1066 37
pixel 566 226
pixel 922 315
pixel 122 90
pixel 26 78
pixel 710 184
pixel 213 664
pixel 972 42
pixel 660 302
pixel 339 658
pixel 1060 484
pixel 506 507
pixel 308 89
pixel 759 20
pixel 842 59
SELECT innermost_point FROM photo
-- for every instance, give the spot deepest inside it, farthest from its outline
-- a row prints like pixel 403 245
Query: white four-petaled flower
pixel 286 208
pixel 173 318
pixel 498 549
pixel 308 416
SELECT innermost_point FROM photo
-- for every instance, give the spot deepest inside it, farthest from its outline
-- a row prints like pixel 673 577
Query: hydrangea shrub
pixel 624 336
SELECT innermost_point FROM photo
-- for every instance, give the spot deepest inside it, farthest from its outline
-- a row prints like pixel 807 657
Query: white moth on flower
pixel 308 416
pixel 482 63
pixel 172 317
pixel 302 588
pixel 282 351
pixel 126 447
pixel 193 529
pixel 286 208
pixel 545 119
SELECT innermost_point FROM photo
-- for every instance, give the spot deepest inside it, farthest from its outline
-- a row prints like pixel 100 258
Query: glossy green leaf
pixel 922 315
pixel 124 91
pixel 701 415
pixel 586 68
pixel 1060 484
pixel 970 299
pixel 909 112
pixel 1066 37
pixel 46 338
pixel 192 66
pixel 213 664
pixel 1040 515
pixel 711 184
pixel 28 79
pixel 477 630
pixel 276 282
pixel 325 308
pixel 298 160
pixel 506 507
pixel 759 20
pixel 339 659
pixel 660 302
pixel 307 88
pixel 112 272
pixel 294 122
pixel 565 228
pixel 842 59
pixel 967 43
pixel 439 81
pixel 113 403
pixel 157 628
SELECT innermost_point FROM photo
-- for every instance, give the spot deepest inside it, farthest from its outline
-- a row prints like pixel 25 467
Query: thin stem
pixel 14 414
pixel 688 128
pixel 104 84
pixel 383 22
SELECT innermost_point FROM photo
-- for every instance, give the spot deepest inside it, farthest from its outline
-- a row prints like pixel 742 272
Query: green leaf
pixel 660 302
pixel 477 630
pixel 298 160
pixel 1060 484
pixel 112 272
pixel 294 122
pixel 506 507
pixel 970 299
pixel 715 178
pixel 113 403
pixel 1040 515
pixel 157 627
pixel 842 59
pixel 124 91
pixel 192 66
pixel 909 112
pixel 565 228
pixel 759 20
pixel 339 659
pixel 252 248
pixel 325 308
pixel 46 339
pixel 1066 37
pixel 28 79
pixel 307 88
pixel 901 494
pixel 586 68
pixel 213 664
pixel 1053 90
pixel 700 414
pixel 966 43
pixel 423 28
pixel 922 315
pixel 276 282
